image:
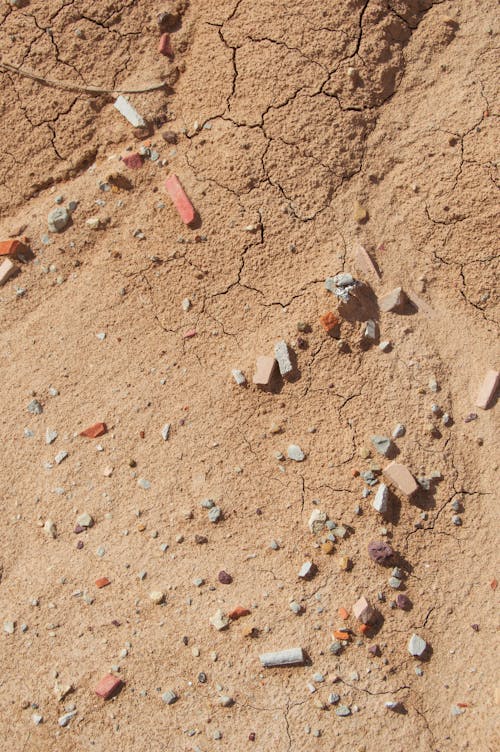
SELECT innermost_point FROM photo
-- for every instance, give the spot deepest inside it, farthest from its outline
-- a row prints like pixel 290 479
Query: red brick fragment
pixel 102 582
pixel 181 201
pixel 328 321
pixel 108 686
pixel 238 612
pixel 98 429
pixel 11 247
pixel 132 161
pixel 165 46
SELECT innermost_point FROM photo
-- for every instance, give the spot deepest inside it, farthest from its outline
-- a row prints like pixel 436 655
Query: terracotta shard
pixel 11 247
pixel 181 201
pixel 108 686
pixel 98 429
pixel 364 262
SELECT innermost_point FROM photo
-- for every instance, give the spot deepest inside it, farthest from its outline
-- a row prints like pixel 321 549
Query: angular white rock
pixel 294 452
pixel 239 377
pixel 417 646
pixel 381 500
pixel 290 657
pixel 165 431
pixel 130 113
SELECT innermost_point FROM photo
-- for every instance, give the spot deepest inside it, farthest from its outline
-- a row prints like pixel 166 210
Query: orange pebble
pixel 354 472
pixel 343 613
pixel 102 582
pixel 340 635
pixel 493 584
pixel 364 628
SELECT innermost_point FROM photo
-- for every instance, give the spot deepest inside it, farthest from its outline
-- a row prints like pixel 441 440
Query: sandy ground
pixel 287 115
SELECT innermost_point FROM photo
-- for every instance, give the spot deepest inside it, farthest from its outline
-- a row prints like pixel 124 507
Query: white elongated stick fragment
pixel 125 108
pixel 290 657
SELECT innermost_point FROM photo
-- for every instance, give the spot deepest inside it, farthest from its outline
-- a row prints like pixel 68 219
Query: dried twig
pixel 77 87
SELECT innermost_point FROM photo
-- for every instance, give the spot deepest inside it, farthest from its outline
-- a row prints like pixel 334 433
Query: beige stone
pixel 399 475
pixel 7 269
pixel 363 611
pixel 264 370
pixel 364 263
pixel 392 300
pixel 488 389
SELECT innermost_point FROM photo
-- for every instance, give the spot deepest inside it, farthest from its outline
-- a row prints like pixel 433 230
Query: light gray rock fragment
pixel 50 435
pixel 239 377
pixel 58 219
pixel 417 646
pixel 283 357
pixel 382 444
pixel 295 453
pixel 381 500
pixel 35 408
pixel 165 431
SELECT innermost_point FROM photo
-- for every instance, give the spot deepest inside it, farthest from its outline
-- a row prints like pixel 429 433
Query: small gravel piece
pixel 399 431
pixel 219 620
pixel 224 578
pixel 50 435
pixel 66 718
pixel 35 408
pixel 226 701
pixel 307 570
pixel 165 431
pixel 214 514
pixel 343 711
pixel 380 552
pixel 58 219
pixel 417 646
pixel 239 377
pixel 382 444
pixel 282 355
pixel 169 697
pixel 295 453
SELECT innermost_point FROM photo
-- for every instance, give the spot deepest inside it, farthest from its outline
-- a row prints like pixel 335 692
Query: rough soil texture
pixel 287 115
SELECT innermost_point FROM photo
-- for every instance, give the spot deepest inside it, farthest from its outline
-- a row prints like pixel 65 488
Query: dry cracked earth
pixel 288 115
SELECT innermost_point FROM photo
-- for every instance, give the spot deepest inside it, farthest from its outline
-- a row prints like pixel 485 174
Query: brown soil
pixel 288 114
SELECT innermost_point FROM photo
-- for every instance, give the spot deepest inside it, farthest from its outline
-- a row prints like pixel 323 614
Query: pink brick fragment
pixel 181 201
pixel 165 46
pixel 190 333
pixel 264 370
pixel 364 611
pixel 132 161
pixel 400 476
pixel 108 686
pixel 488 389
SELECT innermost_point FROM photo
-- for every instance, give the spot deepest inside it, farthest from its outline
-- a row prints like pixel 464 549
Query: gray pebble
pixel 214 514
pixel 58 219
pixel 35 408
pixel 343 710
pixel 169 697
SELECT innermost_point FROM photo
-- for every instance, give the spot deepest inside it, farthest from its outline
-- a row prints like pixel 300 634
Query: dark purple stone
pixel 403 602
pixel 225 578
pixel 79 529
pixel 374 650
pixel 380 552
pixel 470 416
pixel 79 545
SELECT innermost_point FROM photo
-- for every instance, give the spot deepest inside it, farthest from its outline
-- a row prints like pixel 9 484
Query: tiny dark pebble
pixel 202 677
pixel 470 416
pixel 200 539
pixel 79 545
pixel 132 463
pixel 170 137
pixel 374 650
pixel 302 343
pixel 182 421
pixel 78 529
pixel 251 736
pixel 403 602
pixel 115 623
pixel 380 552
pixel 225 578
pixel 185 640
pixel 258 511
pixel 475 627
pixel 142 434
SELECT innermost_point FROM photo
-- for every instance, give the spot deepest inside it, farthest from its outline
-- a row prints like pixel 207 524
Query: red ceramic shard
pixel 11 247
pixel 181 201
pixel 108 686
pixel 98 429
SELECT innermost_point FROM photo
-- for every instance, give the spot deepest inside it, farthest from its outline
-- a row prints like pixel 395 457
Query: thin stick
pixel 76 87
